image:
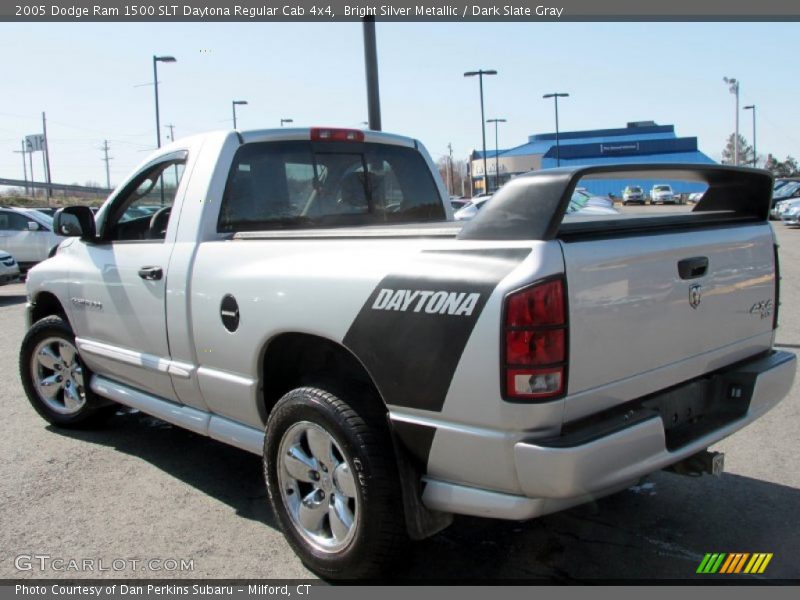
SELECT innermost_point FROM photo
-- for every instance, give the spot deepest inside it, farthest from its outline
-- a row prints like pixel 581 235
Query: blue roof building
pixel 639 142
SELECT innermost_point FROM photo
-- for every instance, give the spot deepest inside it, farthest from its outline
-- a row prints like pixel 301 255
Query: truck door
pixel 118 287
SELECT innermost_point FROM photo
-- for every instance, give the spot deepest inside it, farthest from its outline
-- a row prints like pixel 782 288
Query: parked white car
pixel 663 193
pixel 790 213
pixel 471 208
pixel 9 269
pixel 27 235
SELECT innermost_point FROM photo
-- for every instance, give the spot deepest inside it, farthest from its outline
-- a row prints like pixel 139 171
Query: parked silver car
pixel 633 193
pixel 662 193
pixel 9 269
pixel 28 235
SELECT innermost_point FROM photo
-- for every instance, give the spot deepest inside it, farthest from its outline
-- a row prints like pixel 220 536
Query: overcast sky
pixel 94 80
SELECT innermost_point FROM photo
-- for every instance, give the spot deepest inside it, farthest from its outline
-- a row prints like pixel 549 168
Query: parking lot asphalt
pixel 142 489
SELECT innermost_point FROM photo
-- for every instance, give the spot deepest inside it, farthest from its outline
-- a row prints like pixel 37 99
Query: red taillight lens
pixel 536 306
pixel 524 347
pixel 326 134
pixel 536 342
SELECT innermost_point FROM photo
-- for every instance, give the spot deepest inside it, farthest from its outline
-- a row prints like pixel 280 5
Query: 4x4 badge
pixel 695 295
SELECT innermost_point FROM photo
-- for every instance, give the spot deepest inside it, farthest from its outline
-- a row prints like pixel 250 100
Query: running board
pixel 216 427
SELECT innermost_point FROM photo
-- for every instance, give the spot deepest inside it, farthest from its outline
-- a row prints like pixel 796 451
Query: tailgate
pixel 641 303
pixel 656 298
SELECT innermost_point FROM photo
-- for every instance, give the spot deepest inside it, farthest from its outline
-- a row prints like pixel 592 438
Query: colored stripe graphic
pixel 734 563
pixel 711 563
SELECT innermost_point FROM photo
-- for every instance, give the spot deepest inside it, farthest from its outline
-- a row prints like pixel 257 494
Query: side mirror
pixel 75 221
pixel 33 226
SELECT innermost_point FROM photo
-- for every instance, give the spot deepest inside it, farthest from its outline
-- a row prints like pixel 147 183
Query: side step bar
pixel 216 427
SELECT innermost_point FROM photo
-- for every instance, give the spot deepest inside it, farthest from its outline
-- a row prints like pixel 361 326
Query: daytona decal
pixel 411 331
pixel 451 303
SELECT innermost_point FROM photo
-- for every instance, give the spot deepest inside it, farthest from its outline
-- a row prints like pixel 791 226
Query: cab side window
pixel 143 210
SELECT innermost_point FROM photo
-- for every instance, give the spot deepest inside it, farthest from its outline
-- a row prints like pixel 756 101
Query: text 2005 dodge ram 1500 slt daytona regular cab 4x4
pixel 304 295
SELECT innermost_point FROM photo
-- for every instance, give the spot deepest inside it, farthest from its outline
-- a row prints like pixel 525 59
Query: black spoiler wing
pixel 532 206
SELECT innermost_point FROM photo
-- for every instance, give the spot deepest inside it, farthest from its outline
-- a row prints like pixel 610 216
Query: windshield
pixel 662 188
pixel 578 201
pixel 40 216
pixel 787 190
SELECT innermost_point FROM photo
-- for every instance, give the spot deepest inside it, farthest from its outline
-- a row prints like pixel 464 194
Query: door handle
pixel 151 273
pixel 692 268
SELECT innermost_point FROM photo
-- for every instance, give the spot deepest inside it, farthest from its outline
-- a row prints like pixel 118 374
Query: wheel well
pixel 46 304
pixel 296 359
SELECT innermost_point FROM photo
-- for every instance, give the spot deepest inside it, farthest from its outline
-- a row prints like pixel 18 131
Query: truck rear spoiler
pixel 532 206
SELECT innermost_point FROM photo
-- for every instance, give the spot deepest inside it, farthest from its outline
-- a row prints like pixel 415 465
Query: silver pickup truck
pixel 306 296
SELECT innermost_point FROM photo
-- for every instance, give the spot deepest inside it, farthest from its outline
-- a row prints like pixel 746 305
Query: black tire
pixel 379 534
pixel 93 410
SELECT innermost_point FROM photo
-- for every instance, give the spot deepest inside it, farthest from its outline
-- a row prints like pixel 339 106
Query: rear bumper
pixel 556 473
pixel 551 470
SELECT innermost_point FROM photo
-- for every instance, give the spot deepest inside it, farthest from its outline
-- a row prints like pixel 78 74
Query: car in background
pixel 471 208
pixel 457 202
pixel 47 210
pixel 781 207
pixel 9 269
pixel 633 193
pixel 786 192
pixel 28 235
pixel 583 202
pixel 791 213
pixel 662 192
pixel 695 197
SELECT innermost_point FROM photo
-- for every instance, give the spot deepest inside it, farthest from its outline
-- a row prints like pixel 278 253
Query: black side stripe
pixel 412 330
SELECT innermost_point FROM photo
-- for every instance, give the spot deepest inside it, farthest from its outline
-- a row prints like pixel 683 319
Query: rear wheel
pixel 333 485
pixel 55 379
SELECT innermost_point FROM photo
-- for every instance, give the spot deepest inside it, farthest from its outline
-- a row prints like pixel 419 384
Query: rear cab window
pixel 306 184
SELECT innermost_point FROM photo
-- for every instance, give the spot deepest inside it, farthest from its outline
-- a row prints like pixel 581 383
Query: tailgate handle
pixel 691 268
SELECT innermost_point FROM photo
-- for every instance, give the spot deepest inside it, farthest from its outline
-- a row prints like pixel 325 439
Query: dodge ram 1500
pixel 304 294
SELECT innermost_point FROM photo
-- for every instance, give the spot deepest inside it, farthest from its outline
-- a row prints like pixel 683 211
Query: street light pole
pixel 555 96
pixel 755 154
pixel 233 106
pixel 733 87
pixel 286 121
pixel 156 60
pixel 496 153
pixel 480 73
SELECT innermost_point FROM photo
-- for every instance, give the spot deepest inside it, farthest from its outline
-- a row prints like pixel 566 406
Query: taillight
pixel 326 134
pixel 535 342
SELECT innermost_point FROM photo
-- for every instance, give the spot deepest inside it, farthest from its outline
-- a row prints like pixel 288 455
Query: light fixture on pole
pixel 480 73
pixel 234 104
pixel 496 153
pixel 156 60
pixel 286 121
pixel 755 154
pixel 733 86
pixel 555 96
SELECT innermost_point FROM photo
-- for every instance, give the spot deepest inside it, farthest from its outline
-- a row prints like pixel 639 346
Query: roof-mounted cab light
pixel 328 134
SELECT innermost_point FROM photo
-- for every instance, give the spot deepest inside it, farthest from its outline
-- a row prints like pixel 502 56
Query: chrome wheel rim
pixel 58 375
pixel 318 487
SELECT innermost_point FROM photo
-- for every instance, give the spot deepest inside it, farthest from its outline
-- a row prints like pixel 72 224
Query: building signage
pixel 634 147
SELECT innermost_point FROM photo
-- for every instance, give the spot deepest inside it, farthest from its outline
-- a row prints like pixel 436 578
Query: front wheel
pixel 56 380
pixel 333 485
